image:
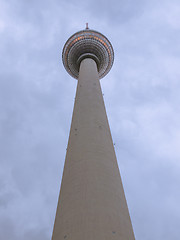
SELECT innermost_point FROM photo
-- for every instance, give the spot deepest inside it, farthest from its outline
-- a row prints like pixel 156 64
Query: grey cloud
pixel 7 229
pixel 8 232
pixel 117 12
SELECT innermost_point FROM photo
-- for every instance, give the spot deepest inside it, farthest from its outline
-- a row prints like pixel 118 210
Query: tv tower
pixel 92 204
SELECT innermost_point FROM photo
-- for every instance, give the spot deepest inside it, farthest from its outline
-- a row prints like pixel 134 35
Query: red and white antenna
pixel 87 27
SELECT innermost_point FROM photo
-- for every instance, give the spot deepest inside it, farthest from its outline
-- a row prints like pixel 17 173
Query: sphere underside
pixel 87 44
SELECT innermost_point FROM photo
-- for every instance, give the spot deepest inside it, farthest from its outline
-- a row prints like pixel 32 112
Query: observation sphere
pixel 87 44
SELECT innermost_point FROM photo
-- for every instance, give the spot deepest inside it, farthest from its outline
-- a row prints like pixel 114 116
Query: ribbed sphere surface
pixel 87 44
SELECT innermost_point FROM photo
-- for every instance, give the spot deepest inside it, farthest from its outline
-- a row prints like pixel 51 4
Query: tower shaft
pixel 92 204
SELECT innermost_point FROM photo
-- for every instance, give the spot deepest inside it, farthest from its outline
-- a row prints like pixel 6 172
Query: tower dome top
pixel 87 44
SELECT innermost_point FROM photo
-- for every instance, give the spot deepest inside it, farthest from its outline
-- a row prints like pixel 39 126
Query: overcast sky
pixel 142 98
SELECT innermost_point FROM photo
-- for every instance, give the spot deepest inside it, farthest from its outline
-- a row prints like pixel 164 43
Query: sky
pixel 141 94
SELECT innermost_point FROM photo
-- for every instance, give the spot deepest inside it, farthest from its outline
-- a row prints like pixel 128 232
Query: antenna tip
pixel 87 27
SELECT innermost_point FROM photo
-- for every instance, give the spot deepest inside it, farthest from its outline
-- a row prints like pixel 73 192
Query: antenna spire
pixel 87 27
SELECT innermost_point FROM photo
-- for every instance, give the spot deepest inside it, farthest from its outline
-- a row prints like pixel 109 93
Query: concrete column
pixel 92 205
